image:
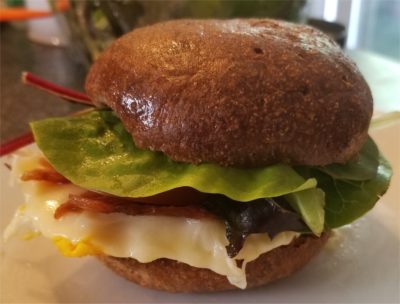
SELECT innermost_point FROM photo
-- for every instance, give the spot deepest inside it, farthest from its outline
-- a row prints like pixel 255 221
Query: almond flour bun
pixel 235 92
pixel 172 276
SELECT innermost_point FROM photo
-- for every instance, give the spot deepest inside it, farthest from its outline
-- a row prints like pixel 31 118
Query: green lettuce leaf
pixel 346 200
pixel 349 197
pixel 364 167
pixel 94 151
pixel 310 204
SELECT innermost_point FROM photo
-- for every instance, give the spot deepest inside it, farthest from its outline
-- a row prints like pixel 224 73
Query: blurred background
pixel 58 40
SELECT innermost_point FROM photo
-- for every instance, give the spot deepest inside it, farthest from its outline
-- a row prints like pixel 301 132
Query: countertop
pixel 21 104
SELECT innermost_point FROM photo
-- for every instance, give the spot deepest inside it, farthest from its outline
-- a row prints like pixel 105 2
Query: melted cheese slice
pixel 198 243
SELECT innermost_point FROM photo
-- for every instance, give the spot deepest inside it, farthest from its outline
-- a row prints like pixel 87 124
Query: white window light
pixel 352 33
pixel 330 10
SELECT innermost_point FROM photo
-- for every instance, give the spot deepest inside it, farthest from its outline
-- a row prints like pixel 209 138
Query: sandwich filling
pixel 97 198
pixel 197 242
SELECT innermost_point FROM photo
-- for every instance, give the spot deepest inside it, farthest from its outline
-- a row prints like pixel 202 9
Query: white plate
pixel 360 264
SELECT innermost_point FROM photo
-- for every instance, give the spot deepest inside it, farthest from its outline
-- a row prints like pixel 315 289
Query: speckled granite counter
pixel 20 103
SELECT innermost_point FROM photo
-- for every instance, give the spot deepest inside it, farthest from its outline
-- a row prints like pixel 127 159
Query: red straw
pixel 16 143
pixel 65 93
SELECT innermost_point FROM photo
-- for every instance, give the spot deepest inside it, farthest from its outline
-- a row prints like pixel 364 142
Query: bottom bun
pixel 173 276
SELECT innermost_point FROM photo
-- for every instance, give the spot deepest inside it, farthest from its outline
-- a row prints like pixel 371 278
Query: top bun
pixel 243 92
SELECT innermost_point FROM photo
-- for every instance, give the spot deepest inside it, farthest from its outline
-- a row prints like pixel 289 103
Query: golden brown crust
pixel 169 275
pixel 235 92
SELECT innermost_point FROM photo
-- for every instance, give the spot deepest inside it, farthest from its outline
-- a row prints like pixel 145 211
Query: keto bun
pixel 243 93
pixel 173 276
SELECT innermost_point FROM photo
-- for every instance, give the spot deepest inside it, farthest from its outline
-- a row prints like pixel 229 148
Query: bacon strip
pixel 44 174
pixel 179 202
pixel 65 208
pixel 96 202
